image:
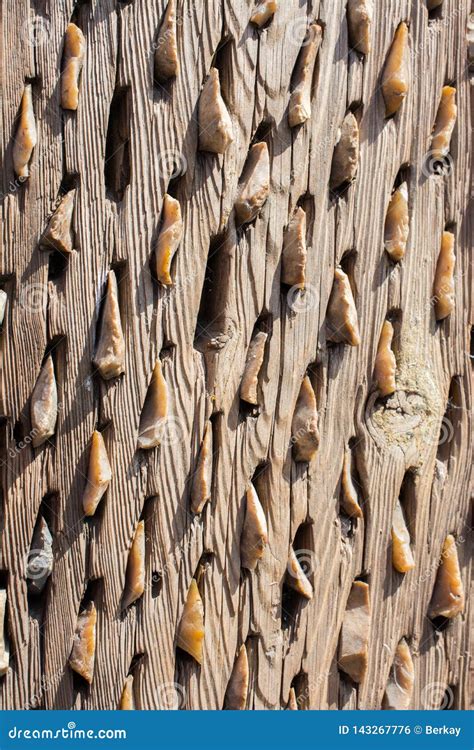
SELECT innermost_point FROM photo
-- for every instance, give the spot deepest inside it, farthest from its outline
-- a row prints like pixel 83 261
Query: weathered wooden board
pixel 225 280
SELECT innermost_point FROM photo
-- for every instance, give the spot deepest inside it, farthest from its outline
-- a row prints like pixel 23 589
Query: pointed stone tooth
pixel 396 72
pixel 40 558
pixel 296 577
pixel 254 185
pixel 202 479
pixel 402 556
pixel 3 304
pixel 349 496
pixel 304 426
pixel 169 239
pixel 236 694
pixel 25 136
pixel 448 594
pixel 155 411
pixel 4 646
pixel 44 404
pixel 166 48
pixel 99 474
pixel 345 158
pixel 110 355
pixel 127 701
pixel 57 235
pixel 73 58
pixel 253 365
pixel 82 657
pixel 385 362
pixel 399 689
pixel 342 323
pixel 254 536
pixel 299 109
pixel 354 642
pixel 359 17
pixel 216 132
pixel 397 224
pixel 443 286
pixel 135 578
pixel 191 626
pixel 293 265
pixel 263 12
pixel 445 122
pixel 292 701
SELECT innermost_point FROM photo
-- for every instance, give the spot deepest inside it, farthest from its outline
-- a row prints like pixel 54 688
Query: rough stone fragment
pixel 166 47
pixel 359 18
pixel 396 72
pixel 293 259
pixel 354 642
pixel 57 235
pixel 154 412
pixel 127 701
pixel 236 694
pixel 202 479
pixel 292 701
pixel 399 689
pixel 263 12
pixel 25 136
pixel 445 122
pixel 3 304
pixel 110 354
pixel 397 224
pixel 304 426
pixel 402 556
pixel 349 496
pixel 299 109
pixel 296 577
pixel 191 626
pixel 443 286
pixel 169 239
pixel 44 404
pixel 4 646
pixel 99 474
pixel 255 184
pixel 341 321
pixel 385 362
pixel 82 657
pixel 73 58
pixel 40 558
pixel 253 364
pixel 345 159
pixel 135 577
pixel 448 594
pixel 254 536
pixel 216 132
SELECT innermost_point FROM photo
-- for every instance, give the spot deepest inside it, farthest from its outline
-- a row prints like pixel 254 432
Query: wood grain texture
pixel 226 287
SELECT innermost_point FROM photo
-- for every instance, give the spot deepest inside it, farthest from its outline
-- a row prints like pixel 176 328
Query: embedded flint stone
pixel 236 694
pixel 99 474
pixel 191 626
pixel 255 184
pixel 40 558
pixel 293 259
pixel 354 642
pixel 73 58
pixel 4 646
pixel 3 304
pixel 304 426
pixel 443 286
pixel 154 412
pixel 401 681
pixel 359 18
pixel 135 576
pixel 263 12
pixel 215 125
pixel 299 109
pixel 82 657
pixel 345 159
pixel 402 556
pixel 166 48
pixel 169 239
pixel 296 577
pixel 127 701
pixel 445 122
pixel 395 74
pixel 349 496
pixel 385 362
pixel 25 136
pixel 397 225
pixel 57 235
pixel 44 404
pixel 292 701
pixel 254 537
pixel 110 354
pixel 341 321
pixel 253 365
pixel 202 478
pixel 448 598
